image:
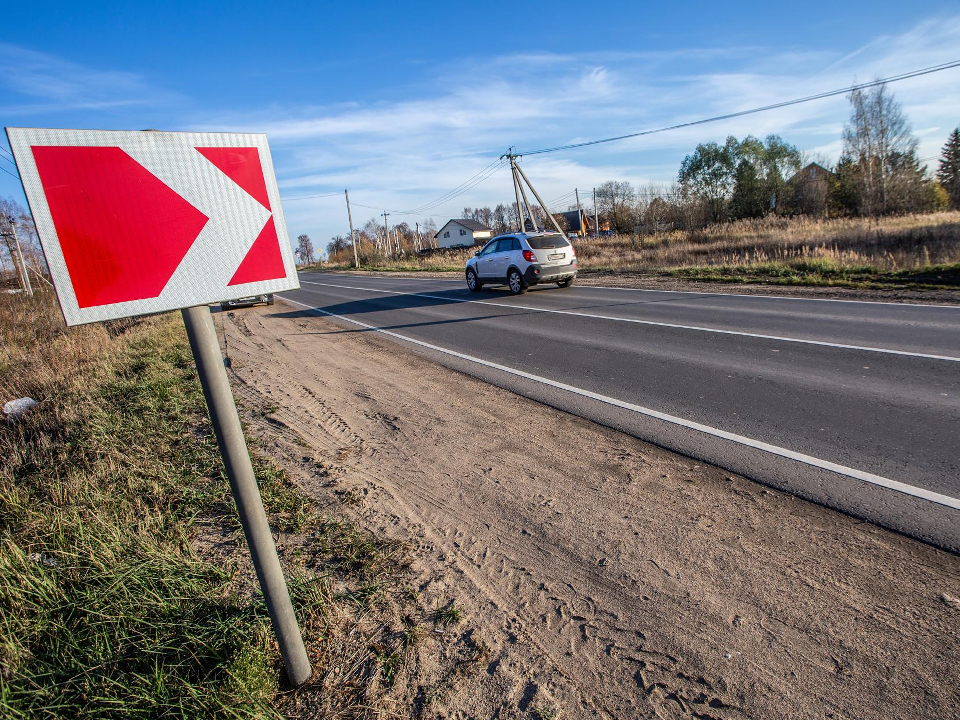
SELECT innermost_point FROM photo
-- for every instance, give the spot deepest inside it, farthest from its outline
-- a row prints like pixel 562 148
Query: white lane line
pixel 582 286
pixel 866 477
pixel 636 321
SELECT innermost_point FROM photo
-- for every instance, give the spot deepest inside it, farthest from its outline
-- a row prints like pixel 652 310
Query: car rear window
pixel 546 242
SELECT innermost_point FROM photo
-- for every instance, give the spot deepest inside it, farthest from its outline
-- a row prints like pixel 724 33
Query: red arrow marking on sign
pixel 242 165
pixel 263 261
pixel 122 231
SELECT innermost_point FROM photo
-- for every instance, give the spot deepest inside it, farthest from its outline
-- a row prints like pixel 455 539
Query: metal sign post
pixel 236 459
pixel 133 223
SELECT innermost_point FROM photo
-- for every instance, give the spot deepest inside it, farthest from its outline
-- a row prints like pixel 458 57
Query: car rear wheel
pixel 566 283
pixel 516 283
pixel 473 282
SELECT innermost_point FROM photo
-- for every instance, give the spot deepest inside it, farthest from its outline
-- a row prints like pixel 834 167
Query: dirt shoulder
pixel 647 281
pixel 600 576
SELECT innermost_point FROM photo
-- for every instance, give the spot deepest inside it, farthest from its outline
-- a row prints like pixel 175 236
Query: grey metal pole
pixel 521 220
pixel 580 230
pixel 353 239
pixel 596 214
pixel 536 195
pixel 386 234
pixel 523 193
pixel 24 275
pixel 236 459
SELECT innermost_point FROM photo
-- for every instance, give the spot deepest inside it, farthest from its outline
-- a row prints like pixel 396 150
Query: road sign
pixel 142 222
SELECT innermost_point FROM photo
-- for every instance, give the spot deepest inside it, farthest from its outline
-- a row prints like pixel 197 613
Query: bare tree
pixel 337 245
pixel 617 202
pixel 304 251
pixel 500 221
pixel 376 234
pixel 881 144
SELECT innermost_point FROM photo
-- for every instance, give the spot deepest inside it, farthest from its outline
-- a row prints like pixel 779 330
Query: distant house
pixel 806 192
pixel 462 233
pixel 577 221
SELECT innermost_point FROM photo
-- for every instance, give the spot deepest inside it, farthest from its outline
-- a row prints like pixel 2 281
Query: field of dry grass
pixel 125 589
pixel 909 250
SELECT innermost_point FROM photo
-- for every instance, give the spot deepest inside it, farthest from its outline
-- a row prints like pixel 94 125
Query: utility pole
pixel 550 217
pixel 386 233
pixel 533 220
pixel 18 258
pixel 581 231
pixel 418 241
pixel 353 239
pixel 521 219
pixel 596 214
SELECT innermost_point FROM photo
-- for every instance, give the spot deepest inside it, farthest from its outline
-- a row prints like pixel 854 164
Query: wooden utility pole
pixel 353 239
pixel 17 259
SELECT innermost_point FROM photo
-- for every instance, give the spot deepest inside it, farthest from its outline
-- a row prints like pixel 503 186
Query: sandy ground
pixel 605 577
pixel 646 281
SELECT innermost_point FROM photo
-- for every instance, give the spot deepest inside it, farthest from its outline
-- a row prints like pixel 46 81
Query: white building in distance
pixel 462 233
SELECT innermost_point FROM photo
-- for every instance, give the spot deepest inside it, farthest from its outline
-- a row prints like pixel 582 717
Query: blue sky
pixel 401 102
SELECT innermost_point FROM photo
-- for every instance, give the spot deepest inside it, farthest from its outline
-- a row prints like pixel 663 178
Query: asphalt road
pixel 851 404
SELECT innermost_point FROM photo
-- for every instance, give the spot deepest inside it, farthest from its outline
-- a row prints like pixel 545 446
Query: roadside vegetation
pixel 748 211
pixel 125 587
pixel 904 251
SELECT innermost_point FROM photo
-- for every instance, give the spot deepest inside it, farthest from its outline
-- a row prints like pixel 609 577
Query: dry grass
pixel 917 250
pixel 892 243
pixel 125 589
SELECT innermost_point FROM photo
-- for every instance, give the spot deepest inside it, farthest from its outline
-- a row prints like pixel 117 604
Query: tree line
pixel 878 173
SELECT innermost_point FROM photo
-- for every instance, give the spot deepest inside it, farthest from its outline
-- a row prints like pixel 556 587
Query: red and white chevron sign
pixel 141 222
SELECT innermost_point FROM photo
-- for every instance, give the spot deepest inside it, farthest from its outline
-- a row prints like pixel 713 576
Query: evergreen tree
pixel 842 196
pixel 949 172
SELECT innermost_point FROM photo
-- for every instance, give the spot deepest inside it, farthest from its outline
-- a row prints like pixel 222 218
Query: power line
pixel 469 184
pixel 308 197
pixel 15 177
pixel 6 152
pixel 775 106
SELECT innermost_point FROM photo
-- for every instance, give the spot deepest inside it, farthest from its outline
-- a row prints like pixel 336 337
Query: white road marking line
pixel 675 326
pixel 582 286
pixel 866 477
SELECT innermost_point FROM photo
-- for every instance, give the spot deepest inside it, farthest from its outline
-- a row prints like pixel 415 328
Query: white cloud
pixel 43 83
pixel 406 153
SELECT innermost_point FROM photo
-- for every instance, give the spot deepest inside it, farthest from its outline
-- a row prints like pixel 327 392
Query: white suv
pixel 520 260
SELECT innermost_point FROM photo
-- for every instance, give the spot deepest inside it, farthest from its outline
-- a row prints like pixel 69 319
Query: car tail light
pixel 529 256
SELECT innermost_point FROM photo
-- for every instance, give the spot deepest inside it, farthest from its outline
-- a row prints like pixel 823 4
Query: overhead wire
pixel 308 197
pixel 741 113
pixel 456 192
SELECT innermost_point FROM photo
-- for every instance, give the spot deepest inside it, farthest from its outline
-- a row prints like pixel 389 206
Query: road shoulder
pixel 602 576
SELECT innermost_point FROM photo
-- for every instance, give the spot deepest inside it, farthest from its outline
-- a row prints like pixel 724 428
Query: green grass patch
pixel 400 267
pixel 125 587
pixel 826 274
pixel 106 609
